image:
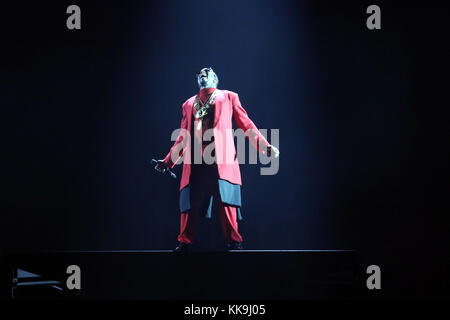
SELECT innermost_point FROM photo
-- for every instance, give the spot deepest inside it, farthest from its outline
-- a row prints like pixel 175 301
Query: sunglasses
pixel 207 70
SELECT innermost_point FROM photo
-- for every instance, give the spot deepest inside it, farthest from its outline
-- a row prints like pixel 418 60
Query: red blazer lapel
pixel 218 101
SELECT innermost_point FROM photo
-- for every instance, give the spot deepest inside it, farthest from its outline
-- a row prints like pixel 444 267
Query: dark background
pixel 362 124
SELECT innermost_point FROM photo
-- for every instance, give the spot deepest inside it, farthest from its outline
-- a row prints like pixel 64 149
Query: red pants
pixel 228 220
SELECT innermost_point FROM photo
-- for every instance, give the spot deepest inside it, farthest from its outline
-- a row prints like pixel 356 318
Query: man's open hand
pixel 273 151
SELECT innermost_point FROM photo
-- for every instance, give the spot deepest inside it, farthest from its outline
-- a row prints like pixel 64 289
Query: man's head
pixel 206 78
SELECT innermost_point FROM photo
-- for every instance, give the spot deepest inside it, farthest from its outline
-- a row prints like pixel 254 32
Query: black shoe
pixel 235 246
pixel 182 247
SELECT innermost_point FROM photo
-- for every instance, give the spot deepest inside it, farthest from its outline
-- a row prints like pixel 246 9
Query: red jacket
pixel 227 107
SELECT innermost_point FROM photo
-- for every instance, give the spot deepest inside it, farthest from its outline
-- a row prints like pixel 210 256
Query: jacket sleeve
pixel 178 147
pixel 245 124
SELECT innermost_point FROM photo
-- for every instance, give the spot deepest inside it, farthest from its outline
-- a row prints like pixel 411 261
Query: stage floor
pixel 162 274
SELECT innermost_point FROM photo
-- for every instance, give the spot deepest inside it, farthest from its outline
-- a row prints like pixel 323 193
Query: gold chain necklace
pixel 202 107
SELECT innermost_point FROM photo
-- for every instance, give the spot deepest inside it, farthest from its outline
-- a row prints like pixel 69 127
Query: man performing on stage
pixel 220 182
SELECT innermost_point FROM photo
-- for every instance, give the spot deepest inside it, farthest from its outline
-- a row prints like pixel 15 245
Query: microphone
pixel 173 175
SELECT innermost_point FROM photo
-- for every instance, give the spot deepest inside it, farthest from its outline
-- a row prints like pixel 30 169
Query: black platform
pixel 247 274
